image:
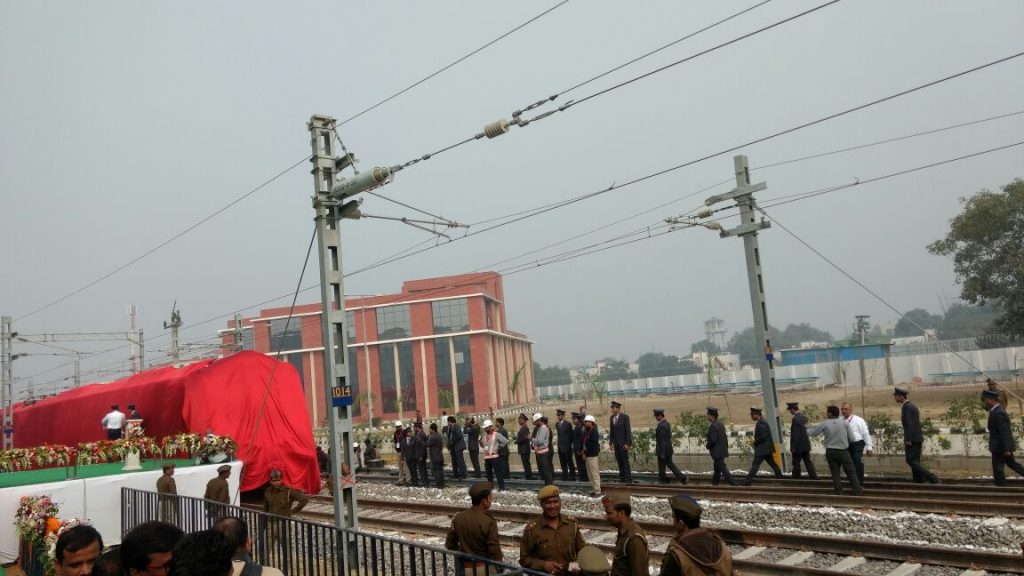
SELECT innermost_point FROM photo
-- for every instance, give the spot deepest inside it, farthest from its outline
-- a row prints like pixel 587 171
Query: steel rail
pixel 940 556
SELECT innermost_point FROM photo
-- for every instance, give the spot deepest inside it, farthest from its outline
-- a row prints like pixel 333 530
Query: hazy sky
pixel 124 123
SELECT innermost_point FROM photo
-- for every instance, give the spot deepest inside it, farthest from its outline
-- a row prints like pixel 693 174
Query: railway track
pixel 754 552
pixel 962 499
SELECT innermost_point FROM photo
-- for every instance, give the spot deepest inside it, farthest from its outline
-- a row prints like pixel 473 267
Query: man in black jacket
pixel 1000 438
pixel 472 434
pixel 565 455
pixel 764 447
pixel 799 441
pixel 663 448
pixel 718 447
pixel 523 438
pixel 620 436
pixel 913 437
pixel 456 446
pixel 435 449
pixel 577 446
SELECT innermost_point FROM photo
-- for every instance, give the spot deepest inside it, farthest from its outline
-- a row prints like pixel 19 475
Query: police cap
pixel 900 392
pixel 479 489
pixel 659 411
pixel 615 498
pixel 616 404
pixel 792 405
pixel 712 411
pixel 686 504
pixel 755 410
pixel 549 491
pixel 990 394
pixel 223 468
pixel 560 412
pixel 592 561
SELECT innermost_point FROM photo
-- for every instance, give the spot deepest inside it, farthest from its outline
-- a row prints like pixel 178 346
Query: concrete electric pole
pixel 748 228
pixel 6 384
pixel 332 205
pixel 174 324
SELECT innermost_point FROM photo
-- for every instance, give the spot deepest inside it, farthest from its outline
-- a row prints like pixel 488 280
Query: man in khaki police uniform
pixel 278 499
pixel 693 550
pixel 475 532
pixel 166 485
pixel 218 491
pixel 552 541
pixel 630 555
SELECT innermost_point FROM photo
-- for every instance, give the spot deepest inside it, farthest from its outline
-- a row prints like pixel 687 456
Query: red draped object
pixel 224 395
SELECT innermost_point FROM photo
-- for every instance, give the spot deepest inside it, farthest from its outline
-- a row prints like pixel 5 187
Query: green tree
pixel 615 369
pixel 654 364
pixel 914 321
pixel 963 321
pixel 706 346
pixel 551 375
pixel 986 241
pixel 794 334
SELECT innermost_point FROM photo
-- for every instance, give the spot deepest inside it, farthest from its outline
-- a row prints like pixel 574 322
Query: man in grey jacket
pixel 837 450
pixel 541 444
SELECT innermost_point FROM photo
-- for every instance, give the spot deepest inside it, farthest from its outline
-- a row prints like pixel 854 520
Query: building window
pixel 450 316
pixel 397 377
pixel 393 322
pixel 388 378
pixel 350 326
pixel 282 340
pixel 464 370
pixel 443 375
pixel 296 361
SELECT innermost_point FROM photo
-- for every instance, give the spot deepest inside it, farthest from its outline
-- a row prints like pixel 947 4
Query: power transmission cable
pixel 616 186
pixel 472 53
pixel 165 242
pixel 500 127
pixel 277 356
pixel 863 286
pixel 653 52
pixel 790 198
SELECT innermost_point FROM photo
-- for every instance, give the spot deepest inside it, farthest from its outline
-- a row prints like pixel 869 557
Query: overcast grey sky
pixel 123 123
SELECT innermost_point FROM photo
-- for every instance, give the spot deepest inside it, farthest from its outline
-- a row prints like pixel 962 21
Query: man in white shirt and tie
pixel 860 439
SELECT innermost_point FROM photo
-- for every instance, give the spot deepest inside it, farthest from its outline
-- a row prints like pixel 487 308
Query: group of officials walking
pixel 554 543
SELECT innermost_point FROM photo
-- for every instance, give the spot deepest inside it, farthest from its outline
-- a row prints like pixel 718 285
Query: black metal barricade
pixel 304 548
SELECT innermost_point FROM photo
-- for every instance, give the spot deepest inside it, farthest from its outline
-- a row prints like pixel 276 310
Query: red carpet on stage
pixel 224 395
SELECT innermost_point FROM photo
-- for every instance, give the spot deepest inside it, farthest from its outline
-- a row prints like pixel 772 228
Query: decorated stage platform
pixel 95 494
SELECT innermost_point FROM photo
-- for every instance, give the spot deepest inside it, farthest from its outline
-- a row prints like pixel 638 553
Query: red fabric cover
pixel 227 396
pixel 223 395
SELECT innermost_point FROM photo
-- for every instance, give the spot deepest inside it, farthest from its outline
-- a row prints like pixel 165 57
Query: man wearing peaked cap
pixel 552 541
pixel 693 550
pixel 523 438
pixel 664 449
pixel 620 436
pixel 799 441
pixel 565 438
pixel 166 485
pixel 1004 401
pixel 764 447
pixel 631 550
pixel 913 437
pixel 217 490
pixel 718 447
pixel 475 531
pixel 1000 438
pixel 577 447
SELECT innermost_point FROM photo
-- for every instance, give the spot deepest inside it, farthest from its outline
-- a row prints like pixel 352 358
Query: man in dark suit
pixel 913 437
pixel 799 442
pixel 620 436
pixel 1000 438
pixel 456 446
pixel 577 446
pixel 663 448
pixel 523 439
pixel 420 454
pixel 565 456
pixel 472 435
pixel 764 447
pixel 718 447
pixel 435 450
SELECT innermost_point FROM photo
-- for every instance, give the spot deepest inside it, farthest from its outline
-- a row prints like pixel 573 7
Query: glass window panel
pixel 450 316
pixel 443 375
pixel 353 380
pixel 388 378
pixel 393 322
pixel 282 340
pixel 464 371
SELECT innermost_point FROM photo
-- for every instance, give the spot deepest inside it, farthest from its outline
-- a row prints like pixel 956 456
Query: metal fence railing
pixel 305 548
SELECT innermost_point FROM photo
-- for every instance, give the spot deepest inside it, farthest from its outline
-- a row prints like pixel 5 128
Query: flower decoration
pixel 100 451
pixel 32 516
